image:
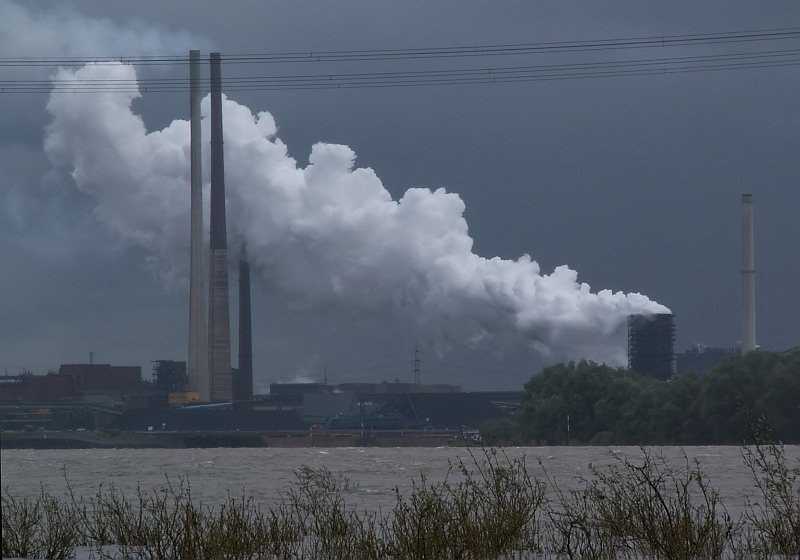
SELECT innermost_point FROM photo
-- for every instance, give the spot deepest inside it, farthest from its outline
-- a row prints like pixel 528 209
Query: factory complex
pixel 99 405
pixel 206 402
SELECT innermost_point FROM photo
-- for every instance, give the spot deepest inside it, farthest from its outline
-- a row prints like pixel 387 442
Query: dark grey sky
pixel 632 181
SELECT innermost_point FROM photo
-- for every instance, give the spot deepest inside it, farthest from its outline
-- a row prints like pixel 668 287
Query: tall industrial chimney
pixel 198 348
pixel 244 384
pixel 219 345
pixel 748 277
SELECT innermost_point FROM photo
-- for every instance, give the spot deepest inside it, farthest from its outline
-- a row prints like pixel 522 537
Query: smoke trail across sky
pixel 328 234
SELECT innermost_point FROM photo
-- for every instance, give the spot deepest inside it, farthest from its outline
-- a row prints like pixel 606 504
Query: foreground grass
pixel 488 508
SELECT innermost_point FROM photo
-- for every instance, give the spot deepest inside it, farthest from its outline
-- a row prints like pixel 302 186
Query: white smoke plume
pixel 37 30
pixel 61 31
pixel 328 234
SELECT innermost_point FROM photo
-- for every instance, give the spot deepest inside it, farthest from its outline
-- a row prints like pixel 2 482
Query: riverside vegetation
pixel 589 403
pixel 490 508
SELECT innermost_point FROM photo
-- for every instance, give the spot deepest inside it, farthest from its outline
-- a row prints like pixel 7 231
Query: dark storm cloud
pixel 634 182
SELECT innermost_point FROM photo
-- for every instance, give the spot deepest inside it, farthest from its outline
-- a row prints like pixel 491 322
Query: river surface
pixel 266 473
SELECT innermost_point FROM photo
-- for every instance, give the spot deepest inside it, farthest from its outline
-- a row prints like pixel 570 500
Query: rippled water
pixel 375 472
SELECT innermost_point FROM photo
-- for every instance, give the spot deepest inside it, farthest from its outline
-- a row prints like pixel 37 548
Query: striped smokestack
pixel 748 277
pixel 198 348
pixel 219 345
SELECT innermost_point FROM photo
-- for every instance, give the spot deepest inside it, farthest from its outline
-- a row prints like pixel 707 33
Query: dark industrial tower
pixel 243 383
pixel 651 342
pixel 219 322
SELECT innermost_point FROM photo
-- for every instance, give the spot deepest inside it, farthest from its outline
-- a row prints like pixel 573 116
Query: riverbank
pixel 162 439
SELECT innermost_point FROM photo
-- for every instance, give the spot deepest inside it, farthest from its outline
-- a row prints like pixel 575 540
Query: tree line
pixel 589 403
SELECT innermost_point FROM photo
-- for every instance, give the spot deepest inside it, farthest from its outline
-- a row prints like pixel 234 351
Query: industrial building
pixel 115 400
pixel 55 416
pixel 90 383
pixel 170 376
pixel 702 359
pixel 651 343
pixel 388 406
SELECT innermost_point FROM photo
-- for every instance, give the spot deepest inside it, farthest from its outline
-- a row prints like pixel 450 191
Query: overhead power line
pixel 670 64
pixel 521 48
pixel 433 52
pixel 501 74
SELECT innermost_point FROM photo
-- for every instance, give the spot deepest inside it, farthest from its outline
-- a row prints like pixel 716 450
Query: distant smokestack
pixel 748 277
pixel 244 383
pixel 198 347
pixel 219 351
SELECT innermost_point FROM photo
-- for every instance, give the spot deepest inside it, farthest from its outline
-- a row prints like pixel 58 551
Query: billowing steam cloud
pixel 60 30
pixel 328 234
pixel 31 30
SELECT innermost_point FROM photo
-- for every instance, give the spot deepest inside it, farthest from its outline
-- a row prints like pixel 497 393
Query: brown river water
pixel 264 473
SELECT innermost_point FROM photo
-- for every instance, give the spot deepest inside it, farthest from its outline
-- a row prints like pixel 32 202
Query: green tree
pixel 586 402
